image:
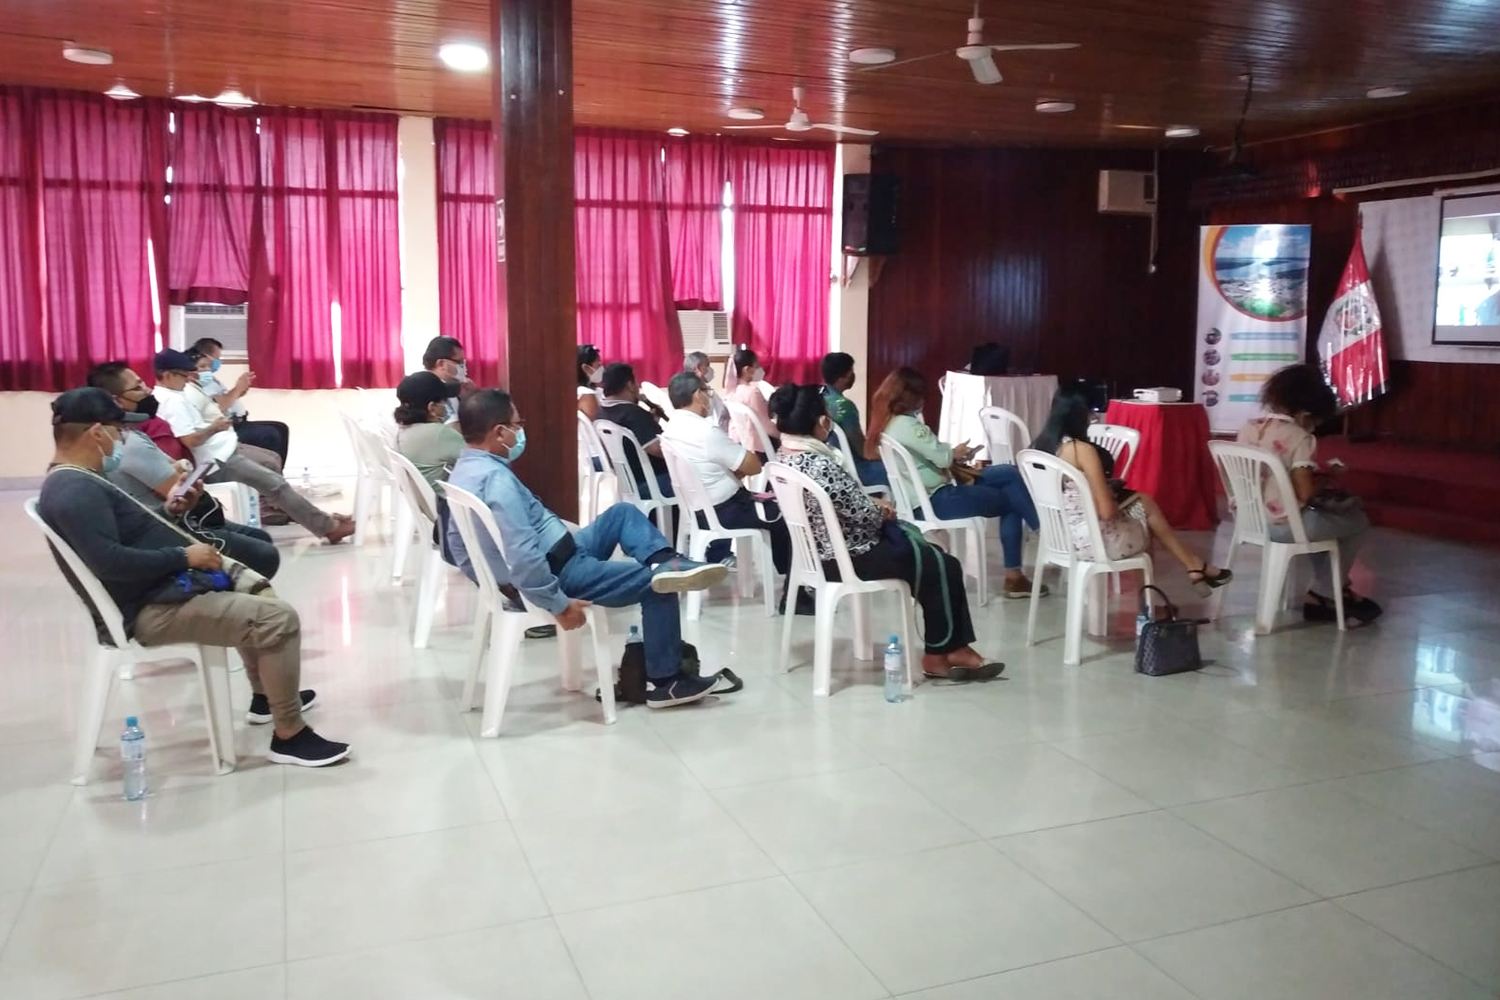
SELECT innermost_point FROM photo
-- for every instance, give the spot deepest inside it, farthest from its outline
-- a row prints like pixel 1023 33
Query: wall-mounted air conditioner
pixel 1127 192
pixel 226 324
pixel 705 330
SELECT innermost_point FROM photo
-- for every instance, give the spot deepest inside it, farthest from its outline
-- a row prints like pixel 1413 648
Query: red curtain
pixel 467 300
pixel 624 272
pixel 328 224
pixel 783 233
pixel 215 171
pixel 696 171
pixel 83 187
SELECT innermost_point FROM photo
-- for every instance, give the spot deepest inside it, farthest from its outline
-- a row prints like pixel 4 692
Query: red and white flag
pixel 1352 344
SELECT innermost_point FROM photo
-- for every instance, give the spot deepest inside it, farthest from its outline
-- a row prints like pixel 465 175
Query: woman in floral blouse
pixel 878 548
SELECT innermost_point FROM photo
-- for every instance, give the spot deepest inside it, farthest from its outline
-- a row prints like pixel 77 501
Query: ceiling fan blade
pixel 1045 47
pixel 903 62
pixel 750 127
pixel 985 70
pixel 847 129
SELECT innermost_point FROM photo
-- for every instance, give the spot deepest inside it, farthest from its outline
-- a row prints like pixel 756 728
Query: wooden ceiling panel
pixel 663 63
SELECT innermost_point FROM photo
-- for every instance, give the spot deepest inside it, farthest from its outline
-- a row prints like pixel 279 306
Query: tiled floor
pixel 1313 816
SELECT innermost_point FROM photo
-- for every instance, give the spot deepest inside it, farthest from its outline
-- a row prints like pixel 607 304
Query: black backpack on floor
pixel 630 687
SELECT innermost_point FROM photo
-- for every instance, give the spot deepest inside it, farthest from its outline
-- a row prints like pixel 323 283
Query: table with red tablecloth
pixel 1174 465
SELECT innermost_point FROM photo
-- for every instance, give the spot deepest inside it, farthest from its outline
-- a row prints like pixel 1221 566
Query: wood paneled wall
pixel 1008 245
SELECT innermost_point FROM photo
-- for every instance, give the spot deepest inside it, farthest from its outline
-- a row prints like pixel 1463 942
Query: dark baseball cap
pixel 175 361
pixel 86 406
pixel 425 388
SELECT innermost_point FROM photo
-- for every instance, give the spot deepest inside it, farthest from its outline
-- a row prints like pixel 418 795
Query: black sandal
pixel 1210 582
pixel 962 675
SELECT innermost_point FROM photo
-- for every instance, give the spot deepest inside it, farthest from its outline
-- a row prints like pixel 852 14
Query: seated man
pixel 142 559
pixel 146 473
pixel 838 378
pixel 697 362
pixel 272 435
pixel 238 462
pixel 444 357
pixel 720 464
pixel 561 572
pixel 622 405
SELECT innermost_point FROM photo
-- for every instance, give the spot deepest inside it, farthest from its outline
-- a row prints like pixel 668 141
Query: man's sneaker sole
pixel 686 699
pixel 286 758
pixel 257 719
pixel 678 581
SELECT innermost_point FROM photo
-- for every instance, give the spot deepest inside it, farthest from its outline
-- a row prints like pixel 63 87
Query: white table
pixel 964 395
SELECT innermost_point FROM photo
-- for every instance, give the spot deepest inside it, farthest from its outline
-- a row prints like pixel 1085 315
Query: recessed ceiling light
pixel 89 57
pixel 872 57
pixel 120 92
pixel 1180 131
pixel 747 114
pixel 1055 107
pixel 1380 93
pixel 464 56
pixel 191 98
pixel 677 131
pixel 233 99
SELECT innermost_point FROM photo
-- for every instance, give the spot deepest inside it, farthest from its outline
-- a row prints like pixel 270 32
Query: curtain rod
pixel 1339 192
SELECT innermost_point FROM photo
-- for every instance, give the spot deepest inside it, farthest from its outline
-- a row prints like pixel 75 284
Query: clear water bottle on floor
pixel 634 639
pixel 133 759
pixel 306 480
pixel 895 672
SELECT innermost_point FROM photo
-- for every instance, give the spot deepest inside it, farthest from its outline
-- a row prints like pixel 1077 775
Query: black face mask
pixel 147 406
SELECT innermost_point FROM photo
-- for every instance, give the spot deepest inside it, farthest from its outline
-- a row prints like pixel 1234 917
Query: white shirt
pixel 713 456
pixel 213 389
pixel 184 418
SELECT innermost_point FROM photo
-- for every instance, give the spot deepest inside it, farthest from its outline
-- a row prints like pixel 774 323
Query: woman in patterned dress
pixel 878 549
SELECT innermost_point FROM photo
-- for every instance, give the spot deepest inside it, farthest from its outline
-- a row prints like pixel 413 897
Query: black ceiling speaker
pixel 871 214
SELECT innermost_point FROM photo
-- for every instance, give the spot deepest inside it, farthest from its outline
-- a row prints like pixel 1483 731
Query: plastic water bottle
pixel 306 481
pixel 635 636
pixel 133 759
pixel 895 672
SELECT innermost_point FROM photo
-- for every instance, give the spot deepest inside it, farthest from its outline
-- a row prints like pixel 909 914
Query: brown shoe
pixel 1016 590
pixel 343 527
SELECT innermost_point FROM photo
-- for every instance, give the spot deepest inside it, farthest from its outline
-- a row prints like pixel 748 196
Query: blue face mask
pixel 114 458
pixel 519 448
pixel 213 365
pixel 206 378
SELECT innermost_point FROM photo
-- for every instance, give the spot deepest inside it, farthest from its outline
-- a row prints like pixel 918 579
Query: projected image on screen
pixel 1468 290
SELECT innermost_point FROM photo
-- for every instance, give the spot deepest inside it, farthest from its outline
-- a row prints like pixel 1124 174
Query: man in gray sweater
pixel 142 559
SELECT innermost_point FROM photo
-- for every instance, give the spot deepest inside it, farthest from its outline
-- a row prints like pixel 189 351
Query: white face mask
pixel 596 375
pixel 461 372
pixel 708 376
pixel 758 374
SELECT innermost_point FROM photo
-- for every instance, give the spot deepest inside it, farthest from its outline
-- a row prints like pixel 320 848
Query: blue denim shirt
pixel 527 529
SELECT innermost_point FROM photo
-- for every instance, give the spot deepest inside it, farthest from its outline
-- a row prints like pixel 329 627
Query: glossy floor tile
pixel 1313 815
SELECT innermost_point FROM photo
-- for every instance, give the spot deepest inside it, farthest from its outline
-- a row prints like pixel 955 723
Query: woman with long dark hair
pixel 590 371
pixel 1127 521
pixel 745 365
pixel 996 491
pixel 878 548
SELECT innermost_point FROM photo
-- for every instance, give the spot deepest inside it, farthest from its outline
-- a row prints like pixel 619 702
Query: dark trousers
pixel 946 624
pixel 739 512
pixel 250 546
pixel 272 435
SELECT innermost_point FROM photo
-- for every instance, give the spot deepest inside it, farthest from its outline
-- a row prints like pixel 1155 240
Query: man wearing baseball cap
pixel 216 440
pixel 423 434
pixel 142 559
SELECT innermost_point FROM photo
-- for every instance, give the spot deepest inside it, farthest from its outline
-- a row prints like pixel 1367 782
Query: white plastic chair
pixel 689 488
pixel 117 657
pixel 375 478
pixel 656 394
pixel 747 421
pixel 241 504
pixel 591 481
pixel 766 388
pixel 646 497
pixel 906 483
pixel 792 490
pixel 1005 434
pixel 474 519
pixel 1045 476
pixel 846 457
pixel 418 496
pixel 1245 470
pixel 1116 440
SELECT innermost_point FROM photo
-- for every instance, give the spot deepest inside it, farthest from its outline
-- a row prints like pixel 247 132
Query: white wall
pixel 849 306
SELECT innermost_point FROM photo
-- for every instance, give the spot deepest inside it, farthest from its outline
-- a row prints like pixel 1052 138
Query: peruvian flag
pixel 1351 343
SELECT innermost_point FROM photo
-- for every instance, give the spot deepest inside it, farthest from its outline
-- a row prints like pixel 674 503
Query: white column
pixel 419 247
pixel 849 309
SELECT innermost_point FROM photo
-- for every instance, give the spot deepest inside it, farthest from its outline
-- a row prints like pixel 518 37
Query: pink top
pixel 748 394
pixel 1288 441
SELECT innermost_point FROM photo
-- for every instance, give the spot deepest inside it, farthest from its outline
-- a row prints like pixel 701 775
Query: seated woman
pixel 879 548
pixel 1127 521
pixel 747 372
pixel 590 374
pixel 426 439
pixel 996 491
pixel 1299 399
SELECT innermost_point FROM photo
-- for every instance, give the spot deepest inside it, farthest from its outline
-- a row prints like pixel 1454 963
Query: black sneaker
pixel 306 749
pixel 680 574
pixel 680 690
pixel 542 632
pixel 260 707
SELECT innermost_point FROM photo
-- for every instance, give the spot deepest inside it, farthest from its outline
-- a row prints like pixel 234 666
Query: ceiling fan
pixel 800 122
pixel 977 54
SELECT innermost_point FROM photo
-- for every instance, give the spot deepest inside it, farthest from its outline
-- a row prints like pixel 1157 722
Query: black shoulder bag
pixel 1164 645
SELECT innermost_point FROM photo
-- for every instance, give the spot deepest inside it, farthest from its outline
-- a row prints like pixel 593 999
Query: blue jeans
pixel 998 493
pixel 872 471
pixel 590 576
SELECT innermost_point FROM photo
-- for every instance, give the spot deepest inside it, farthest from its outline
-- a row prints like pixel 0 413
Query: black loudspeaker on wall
pixel 871 202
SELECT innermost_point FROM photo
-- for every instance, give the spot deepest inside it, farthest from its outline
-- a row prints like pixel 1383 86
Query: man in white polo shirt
pixel 238 463
pixel 720 463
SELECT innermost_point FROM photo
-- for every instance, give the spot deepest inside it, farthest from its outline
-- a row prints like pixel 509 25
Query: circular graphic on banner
pixel 1210 378
pixel 1211 357
pixel 1210 398
pixel 1213 336
pixel 1261 271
